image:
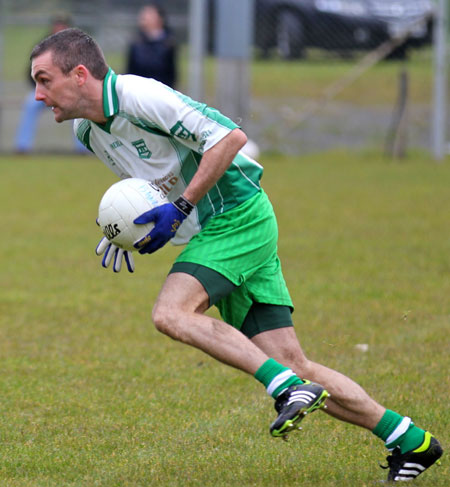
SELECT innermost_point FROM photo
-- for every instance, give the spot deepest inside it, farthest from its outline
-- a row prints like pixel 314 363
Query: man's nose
pixel 38 95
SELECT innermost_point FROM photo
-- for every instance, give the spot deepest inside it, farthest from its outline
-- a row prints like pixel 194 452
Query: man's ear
pixel 81 74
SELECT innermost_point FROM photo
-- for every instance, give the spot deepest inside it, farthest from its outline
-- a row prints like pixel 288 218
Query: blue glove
pixel 167 219
pixel 111 251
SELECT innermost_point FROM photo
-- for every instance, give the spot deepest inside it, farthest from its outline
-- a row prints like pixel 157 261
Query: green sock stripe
pixel 292 381
pixel 410 440
pixel 268 370
pixel 387 424
pixel 271 370
pixel 399 440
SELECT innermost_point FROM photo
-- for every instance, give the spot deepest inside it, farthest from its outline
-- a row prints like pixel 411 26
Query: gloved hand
pixel 167 219
pixel 112 251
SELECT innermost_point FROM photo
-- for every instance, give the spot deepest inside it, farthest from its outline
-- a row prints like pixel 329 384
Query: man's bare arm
pixel 214 163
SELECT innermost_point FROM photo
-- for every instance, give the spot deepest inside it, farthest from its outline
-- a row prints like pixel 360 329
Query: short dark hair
pixel 71 47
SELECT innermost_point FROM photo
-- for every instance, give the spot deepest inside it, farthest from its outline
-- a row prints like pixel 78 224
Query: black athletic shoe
pixel 409 465
pixel 294 404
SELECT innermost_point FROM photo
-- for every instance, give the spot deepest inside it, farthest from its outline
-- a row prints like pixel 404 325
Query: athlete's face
pixel 59 91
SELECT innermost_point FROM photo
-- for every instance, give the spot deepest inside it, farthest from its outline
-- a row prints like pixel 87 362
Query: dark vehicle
pixel 291 26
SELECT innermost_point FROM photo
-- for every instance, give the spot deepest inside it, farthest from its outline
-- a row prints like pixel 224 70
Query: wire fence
pixel 322 73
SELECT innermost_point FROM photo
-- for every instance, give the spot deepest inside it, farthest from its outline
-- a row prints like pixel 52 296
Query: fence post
pixel 2 57
pixel 198 14
pixel 397 134
pixel 439 122
pixel 234 37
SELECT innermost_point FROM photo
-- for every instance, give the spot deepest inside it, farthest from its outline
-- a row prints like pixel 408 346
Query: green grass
pixel 91 395
pixel 310 78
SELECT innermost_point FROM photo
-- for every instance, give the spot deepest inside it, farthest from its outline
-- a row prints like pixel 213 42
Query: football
pixel 121 204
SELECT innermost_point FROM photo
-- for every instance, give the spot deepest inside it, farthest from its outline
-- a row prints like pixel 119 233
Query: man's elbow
pixel 240 138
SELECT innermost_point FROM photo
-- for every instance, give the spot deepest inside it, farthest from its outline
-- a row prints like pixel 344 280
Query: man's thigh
pixel 184 292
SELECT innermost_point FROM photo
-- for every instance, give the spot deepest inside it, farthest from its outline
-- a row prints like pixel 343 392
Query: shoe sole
pixel 291 424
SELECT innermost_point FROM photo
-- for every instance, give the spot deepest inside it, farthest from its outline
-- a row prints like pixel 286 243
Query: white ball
pixel 121 204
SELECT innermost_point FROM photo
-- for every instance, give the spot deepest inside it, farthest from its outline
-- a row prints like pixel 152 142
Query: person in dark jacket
pixel 153 53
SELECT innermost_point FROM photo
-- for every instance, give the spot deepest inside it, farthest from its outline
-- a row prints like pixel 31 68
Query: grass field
pixel 91 395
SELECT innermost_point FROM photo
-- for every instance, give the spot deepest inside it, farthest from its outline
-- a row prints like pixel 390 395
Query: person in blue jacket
pixel 153 53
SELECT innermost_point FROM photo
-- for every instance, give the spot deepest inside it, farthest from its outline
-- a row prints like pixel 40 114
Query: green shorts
pixel 240 246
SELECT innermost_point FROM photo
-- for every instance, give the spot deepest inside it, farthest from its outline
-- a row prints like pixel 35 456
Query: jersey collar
pixel 110 98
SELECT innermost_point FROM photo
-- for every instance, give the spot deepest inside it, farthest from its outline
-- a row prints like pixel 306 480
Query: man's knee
pixel 165 319
pixel 181 296
pixel 171 321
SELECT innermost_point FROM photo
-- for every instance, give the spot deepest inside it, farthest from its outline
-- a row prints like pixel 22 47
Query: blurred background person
pixel 33 109
pixel 153 53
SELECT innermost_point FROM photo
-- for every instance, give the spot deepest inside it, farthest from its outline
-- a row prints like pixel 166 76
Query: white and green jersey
pixel 156 133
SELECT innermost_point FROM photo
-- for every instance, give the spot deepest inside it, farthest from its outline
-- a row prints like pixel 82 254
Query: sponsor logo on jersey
pixel 143 151
pixel 179 130
pixel 203 138
pixel 116 144
pixel 166 183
